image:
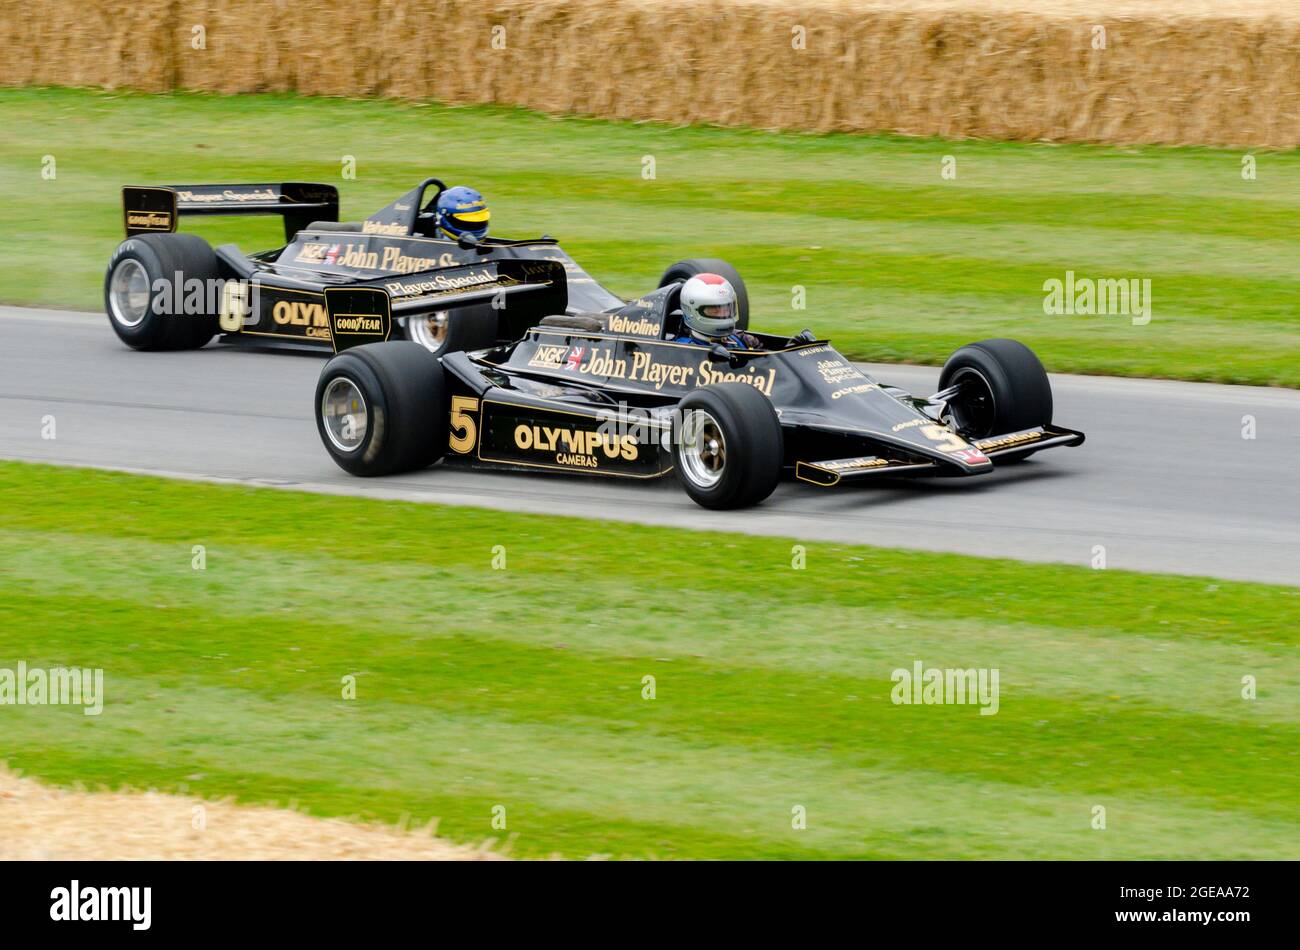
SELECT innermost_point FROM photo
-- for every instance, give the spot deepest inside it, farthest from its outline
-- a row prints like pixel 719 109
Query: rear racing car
pixel 167 291
pixel 614 394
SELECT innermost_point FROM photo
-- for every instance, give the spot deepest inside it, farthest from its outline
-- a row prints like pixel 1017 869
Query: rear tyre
pixel 334 226
pixel 729 450
pixel 382 408
pixel 453 331
pixel 1005 389
pixel 685 270
pixel 146 307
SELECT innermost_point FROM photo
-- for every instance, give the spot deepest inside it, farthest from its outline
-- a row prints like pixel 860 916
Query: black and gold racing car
pixel 613 394
pixel 168 291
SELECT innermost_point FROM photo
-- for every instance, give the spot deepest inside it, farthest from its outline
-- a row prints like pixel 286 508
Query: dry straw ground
pixel 1172 71
pixel 38 823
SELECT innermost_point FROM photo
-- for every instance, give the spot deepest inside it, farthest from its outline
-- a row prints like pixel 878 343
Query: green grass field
pixel 523 687
pixel 898 263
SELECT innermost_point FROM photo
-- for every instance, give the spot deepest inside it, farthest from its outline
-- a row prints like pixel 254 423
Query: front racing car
pixel 615 394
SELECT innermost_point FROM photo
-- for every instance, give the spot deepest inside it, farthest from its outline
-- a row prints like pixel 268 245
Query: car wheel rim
pixel 975 410
pixel 343 410
pixel 128 293
pixel 703 449
pixel 430 330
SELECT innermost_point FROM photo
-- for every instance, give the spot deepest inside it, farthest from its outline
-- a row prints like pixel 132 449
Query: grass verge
pixel 895 262
pixel 524 687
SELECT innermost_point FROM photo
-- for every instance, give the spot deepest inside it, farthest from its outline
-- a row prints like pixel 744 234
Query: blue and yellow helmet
pixel 462 211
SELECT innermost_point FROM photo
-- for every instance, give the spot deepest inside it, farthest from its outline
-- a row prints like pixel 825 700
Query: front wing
pixel 1005 447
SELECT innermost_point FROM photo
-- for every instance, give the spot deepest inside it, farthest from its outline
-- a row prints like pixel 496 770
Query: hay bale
pixel 1172 71
pixel 42 823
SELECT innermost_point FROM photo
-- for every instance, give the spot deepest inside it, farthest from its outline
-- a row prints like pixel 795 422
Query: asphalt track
pixel 1165 482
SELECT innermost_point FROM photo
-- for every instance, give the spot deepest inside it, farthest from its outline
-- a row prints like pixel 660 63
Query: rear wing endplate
pixel 514 293
pixel 150 208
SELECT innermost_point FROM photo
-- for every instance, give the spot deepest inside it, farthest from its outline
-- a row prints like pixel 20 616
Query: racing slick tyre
pixel 1006 389
pixel 729 450
pixel 452 331
pixel 382 408
pixel 147 315
pixel 685 270
pixel 334 226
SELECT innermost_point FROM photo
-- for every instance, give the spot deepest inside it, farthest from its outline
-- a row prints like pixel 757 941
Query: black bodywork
pixel 275 298
pixel 572 397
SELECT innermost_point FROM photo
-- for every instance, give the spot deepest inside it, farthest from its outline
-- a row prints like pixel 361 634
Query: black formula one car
pixel 602 394
pixel 167 291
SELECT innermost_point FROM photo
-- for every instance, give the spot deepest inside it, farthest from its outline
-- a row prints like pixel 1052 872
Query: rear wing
pixel 147 208
pixel 514 293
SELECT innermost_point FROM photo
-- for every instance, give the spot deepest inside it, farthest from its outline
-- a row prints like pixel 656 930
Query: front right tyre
pixel 1004 388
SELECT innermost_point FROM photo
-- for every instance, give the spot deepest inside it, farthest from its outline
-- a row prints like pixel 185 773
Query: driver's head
pixel 462 211
pixel 709 307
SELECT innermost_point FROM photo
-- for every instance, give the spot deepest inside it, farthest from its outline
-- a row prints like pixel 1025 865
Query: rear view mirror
pixel 720 354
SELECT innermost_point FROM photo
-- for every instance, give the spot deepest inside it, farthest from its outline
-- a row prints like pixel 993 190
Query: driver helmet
pixel 709 307
pixel 462 211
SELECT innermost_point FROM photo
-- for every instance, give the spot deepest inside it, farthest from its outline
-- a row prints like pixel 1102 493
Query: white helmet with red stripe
pixel 709 307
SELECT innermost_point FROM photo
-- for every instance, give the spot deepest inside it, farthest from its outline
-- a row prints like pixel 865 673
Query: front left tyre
pixel 382 408
pixel 149 295
pixel 1004 388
